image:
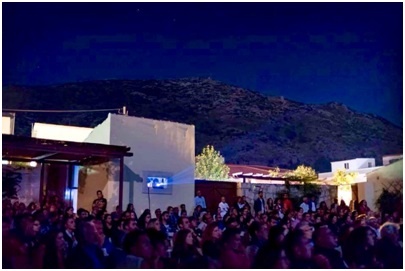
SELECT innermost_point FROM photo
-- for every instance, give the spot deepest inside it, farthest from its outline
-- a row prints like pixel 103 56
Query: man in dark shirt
pixel 100 202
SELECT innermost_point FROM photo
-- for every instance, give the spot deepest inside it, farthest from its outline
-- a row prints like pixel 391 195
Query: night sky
pixel 350 53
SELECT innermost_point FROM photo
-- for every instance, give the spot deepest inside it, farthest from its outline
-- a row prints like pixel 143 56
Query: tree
pixel 11 182
pixel 307 176
pixel 211 165
pixel 344 179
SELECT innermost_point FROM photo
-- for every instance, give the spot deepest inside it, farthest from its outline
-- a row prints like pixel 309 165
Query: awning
pixel 26 149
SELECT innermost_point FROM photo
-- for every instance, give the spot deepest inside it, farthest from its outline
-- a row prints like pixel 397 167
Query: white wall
pixel 387 158
pixel 101 133
pixel 353 164
pixel 389 177
pixel 157 146
pixel 60 132
pixel 6 125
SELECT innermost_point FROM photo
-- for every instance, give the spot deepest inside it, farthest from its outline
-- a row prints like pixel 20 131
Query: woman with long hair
pixel 55 251
pixel 184 250
pixel 270 205
pixel 154 223
pixel 211 241
pixel 131 209
pixel 358 249
pixel 363 209
pixel 108 226
pixel 144 219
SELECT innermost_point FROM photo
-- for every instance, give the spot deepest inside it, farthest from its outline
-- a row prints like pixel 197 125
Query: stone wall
pixel 250 191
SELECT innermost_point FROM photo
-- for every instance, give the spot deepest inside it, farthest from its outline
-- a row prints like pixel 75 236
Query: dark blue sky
pixel 310 52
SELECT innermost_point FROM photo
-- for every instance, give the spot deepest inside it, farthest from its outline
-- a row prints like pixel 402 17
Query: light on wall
pixel 33 164
pixel 5 162
pixel 345 193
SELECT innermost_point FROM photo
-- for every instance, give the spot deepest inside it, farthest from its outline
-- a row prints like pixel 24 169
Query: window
pixel 346 165
pixel 370 164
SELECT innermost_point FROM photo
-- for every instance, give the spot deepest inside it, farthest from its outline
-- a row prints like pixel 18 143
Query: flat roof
pixel 21 148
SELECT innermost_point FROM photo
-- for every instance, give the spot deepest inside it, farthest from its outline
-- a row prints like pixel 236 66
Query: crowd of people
pixel 272 234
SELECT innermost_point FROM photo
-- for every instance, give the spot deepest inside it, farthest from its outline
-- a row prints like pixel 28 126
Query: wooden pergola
pixel 27 149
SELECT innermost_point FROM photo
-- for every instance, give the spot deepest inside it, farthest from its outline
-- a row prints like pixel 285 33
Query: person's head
pixel 132 214
pixel 212 232
pixel 70 224
pixel 306 229
pixel 130 207
pixel 129 225
pixel 232 223
pixel 183 213
pixel 273 221
pixel 199 193
pixel 36 226
pixel 107 219
pixel 306 217
pixel 87 234
pixel 153 224
pixel 184 239
pixel 184 223
pixel 270 201
pixel 193 222
pixel 99 194
pixel 231 239
pixel 165 216
pixel 223 199
pixel 137 243
pixel 260 230
pixel 332 218
pixel 305 199
pixel 183 207
pixel 297 246
pixel 176 210
pixel 158 213
pixel 261 194
pixel 207 218
pixel 159 243
pixel 363 203
pixel 361 220
pixel 373 222
pixel 82 213
pixel 390 231
pixel 323 237
pixel 285 196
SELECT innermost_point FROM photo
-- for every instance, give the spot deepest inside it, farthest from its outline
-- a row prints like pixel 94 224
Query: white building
pixel 60 132
pixel 163 151
pixel 161 172
pixel 361 166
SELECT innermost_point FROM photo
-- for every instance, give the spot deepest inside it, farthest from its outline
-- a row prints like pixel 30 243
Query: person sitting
pixel 233 253
pixel 184 249
pixel 389 250
pixel 139 250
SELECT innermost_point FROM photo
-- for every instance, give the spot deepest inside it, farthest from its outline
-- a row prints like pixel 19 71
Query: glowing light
pixel 33 164
pixel 5 162
pixel 345 193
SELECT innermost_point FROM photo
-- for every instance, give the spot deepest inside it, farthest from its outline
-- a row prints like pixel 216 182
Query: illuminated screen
pixel 157 182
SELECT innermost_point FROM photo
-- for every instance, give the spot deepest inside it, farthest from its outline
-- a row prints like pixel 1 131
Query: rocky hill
pixel 246 126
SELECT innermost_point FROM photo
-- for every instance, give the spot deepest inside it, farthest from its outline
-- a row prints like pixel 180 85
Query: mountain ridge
pixel 246 126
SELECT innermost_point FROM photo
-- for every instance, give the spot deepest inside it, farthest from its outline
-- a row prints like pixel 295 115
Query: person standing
pixel 100 203
pixel 223 206
pixel 200 200
pixel 259 204
pixel 287 203
pixel 305 205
